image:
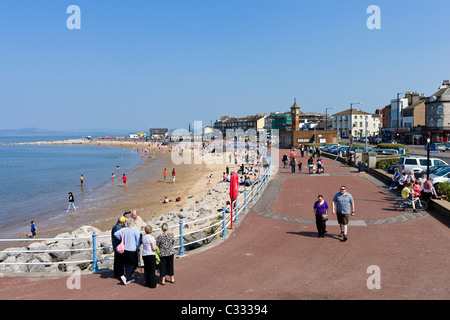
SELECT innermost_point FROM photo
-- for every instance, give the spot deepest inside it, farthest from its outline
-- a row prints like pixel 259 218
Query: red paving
pixel 268 259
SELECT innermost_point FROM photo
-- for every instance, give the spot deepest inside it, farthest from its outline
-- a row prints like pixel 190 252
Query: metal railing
pixel 240 205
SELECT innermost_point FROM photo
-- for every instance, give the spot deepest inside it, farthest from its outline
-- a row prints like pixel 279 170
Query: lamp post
pixel 351 118
pixel 398 116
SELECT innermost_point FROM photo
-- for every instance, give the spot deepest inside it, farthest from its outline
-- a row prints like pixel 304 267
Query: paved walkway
pixel 274 252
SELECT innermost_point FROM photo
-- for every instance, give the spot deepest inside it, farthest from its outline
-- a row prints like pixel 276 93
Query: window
pixel 440 123
pixel 439 163
pixel 431 122
pixel 411 161
pixel 431 110
pixel 440 110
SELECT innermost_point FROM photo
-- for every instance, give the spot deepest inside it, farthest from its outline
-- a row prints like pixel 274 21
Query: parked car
pixel 440 176
pixel 433 170
pixel 418 163
pixel 377 140
pixel 386 151
pixel 438 146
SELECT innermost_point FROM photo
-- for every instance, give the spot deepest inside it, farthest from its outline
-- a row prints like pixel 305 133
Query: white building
pixel 362 124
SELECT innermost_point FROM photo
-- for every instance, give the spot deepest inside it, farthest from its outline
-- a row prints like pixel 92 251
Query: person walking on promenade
pixel 119 265
pixel 71 202
pixel 132 241
pixel 321 214
pixel 148 255
pixel 343 206
pixel 284 160
pixel 165 242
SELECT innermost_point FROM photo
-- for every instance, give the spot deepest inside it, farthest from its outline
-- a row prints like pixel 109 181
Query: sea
pixel 35 179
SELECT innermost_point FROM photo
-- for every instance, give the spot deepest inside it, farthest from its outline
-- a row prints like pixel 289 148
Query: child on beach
pixel 165 174
pixel 124 178
pixel 33 230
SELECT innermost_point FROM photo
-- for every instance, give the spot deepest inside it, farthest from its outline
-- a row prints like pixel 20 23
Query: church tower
pixel 295 114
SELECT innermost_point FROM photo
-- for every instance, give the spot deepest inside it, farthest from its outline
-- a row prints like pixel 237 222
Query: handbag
pixel 324 217
pixel 121 247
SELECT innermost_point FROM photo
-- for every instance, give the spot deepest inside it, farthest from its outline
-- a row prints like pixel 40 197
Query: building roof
pixel 158 130
pixel 415 104
pixel 295 106
pixel 247 118
pixel 354 112
pixel 442 95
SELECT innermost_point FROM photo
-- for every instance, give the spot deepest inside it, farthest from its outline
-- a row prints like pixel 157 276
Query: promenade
pixel 274 252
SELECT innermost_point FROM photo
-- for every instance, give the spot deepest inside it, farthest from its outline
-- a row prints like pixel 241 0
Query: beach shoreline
pixel 145 188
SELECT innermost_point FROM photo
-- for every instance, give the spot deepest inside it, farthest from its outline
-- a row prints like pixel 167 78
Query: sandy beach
pixel 146 189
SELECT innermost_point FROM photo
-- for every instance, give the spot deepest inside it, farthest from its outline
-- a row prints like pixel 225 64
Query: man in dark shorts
pixel 343 206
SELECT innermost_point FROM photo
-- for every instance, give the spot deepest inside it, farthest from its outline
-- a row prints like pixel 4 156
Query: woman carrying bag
pixel 321 213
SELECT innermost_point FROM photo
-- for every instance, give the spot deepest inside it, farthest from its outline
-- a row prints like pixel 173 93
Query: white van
pixel 418 163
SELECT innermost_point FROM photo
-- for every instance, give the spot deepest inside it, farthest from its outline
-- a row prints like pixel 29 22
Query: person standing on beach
pixel 173 175
pixel 124 179
pixel 165 174
pixel 81 180
pixel 71 202
pixel 119 266
pixel 343 206
pixel 33 230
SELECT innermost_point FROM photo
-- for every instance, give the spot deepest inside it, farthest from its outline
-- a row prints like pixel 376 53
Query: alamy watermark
pixel 374 280
pixel 235 147
pixel 374 21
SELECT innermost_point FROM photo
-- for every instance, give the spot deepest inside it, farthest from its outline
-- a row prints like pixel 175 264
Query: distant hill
pixel 25 132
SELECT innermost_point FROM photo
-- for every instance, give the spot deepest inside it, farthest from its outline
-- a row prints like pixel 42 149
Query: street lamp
pixel 351 118
pixel 398 115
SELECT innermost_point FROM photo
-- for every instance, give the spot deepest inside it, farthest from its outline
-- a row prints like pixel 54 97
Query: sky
pixel 143 64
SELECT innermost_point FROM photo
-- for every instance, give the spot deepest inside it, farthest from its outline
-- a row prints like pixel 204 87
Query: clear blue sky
pixel 152 63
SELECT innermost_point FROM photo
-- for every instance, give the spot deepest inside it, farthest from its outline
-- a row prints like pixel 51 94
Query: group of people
pixel 155 253
pixel 343 206
pixel 173 175
pixel 314 167
pixel 412 187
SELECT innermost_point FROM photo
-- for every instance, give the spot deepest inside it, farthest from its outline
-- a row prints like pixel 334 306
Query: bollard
pixel 94 252
pixel 181 252
pixel 224 226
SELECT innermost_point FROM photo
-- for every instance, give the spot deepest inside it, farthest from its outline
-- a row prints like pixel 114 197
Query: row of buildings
pixel 408 119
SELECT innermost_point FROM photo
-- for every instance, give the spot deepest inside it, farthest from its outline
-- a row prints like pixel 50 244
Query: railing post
pixel 181 252
pixel 258 187
pixel 94 252
pixel 224 225
pixel 245 199
pixel 253 192
pixel 236 207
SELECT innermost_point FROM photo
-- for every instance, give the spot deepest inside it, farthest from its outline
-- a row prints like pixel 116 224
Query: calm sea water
pixel 35 180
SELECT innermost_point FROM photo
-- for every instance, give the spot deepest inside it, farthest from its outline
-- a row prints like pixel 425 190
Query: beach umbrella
pixel 234 190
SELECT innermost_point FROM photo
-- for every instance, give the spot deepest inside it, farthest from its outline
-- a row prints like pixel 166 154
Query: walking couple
pixel 343 206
